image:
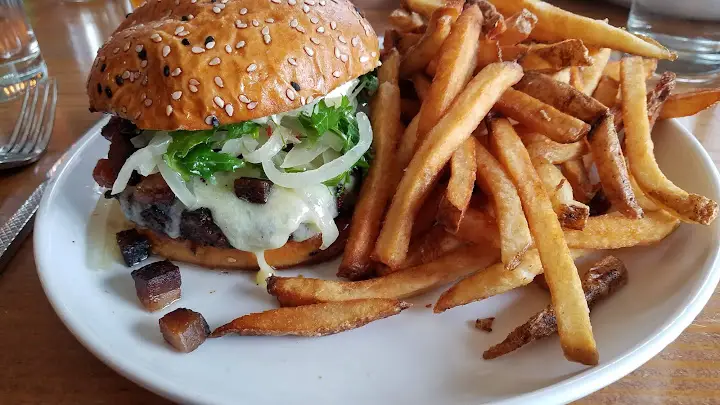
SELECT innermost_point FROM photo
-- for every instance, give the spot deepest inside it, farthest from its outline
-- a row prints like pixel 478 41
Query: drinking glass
pixel 689 27
pixel 21 64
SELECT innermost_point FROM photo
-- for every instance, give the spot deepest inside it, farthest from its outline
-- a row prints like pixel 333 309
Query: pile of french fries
pixel 488 121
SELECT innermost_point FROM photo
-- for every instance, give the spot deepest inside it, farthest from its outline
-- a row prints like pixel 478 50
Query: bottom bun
pixel 289 255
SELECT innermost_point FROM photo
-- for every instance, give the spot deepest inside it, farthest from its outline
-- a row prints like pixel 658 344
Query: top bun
pixel 192 64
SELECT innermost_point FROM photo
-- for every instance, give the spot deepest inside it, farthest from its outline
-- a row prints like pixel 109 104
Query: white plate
pixel 415 358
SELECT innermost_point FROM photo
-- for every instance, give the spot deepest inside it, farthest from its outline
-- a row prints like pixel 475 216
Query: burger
pixel 239 134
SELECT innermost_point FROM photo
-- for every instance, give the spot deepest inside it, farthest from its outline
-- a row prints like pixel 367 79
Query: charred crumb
pixel 295 86
pixel 599 204
pixel 103 67
pixel 108 195
pixel 108 92
pixel 209 39
pixel 100 89
pixel 214 121
pixel 184 329
pixel 485 324
pixel 157 284
pixel 119 80
pixel 256 191
pixel 142 54
pixel 185 42
pixel 184 18
pixel 166 71
pixel 428 305
pixel 134 247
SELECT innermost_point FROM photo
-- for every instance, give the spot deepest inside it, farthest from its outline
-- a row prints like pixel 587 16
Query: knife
pixel 14 231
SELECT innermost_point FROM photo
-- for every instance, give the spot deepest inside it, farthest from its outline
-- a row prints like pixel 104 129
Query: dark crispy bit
pixel 157 284
pixel 106 170
pixel 198 226
pixel 655 100
pixel 256 191
pixel 153 189
pixel 599 204
pixel 134 247
pixel 184 329
pixel 119 125
pixel 484 324
pixel 603 279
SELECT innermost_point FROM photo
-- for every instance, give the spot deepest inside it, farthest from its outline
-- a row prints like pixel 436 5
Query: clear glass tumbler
pixel 21 63
pixel 690 27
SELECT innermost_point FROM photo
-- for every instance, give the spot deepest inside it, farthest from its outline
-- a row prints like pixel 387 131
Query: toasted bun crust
pixel 289 255
pixel 242 59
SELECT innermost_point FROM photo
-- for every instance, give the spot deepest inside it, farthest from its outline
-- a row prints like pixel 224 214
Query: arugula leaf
pixel 204 162
pixel 235 131
pixel 370 84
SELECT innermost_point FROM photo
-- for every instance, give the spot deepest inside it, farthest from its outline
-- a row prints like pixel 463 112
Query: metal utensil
pixel 33 127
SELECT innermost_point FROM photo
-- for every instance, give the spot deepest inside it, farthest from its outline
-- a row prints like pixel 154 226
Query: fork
pixel 33 127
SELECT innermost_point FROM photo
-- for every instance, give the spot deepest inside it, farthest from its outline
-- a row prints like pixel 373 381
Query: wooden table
pixel 41 362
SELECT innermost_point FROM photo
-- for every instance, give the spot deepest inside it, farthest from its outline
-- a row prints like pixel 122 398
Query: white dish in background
pixel 416 357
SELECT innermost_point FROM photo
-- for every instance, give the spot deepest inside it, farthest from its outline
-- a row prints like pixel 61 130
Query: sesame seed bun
pixel 189 64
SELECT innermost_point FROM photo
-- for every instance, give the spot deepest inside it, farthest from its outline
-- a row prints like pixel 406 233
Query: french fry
pixel 425 219
pixel 540 146
pixel 591 74
pixel 655 100
pixel 390 41
pixel 601 281
pixel 406 21
pixel 405 283
pixel 574 327
pixel 406 148
pixel 375 192
pixel 579 179
pixel 427 7
pixel 421 84
pixel 561 96
pixel 639 147
pixel 493 22
pixel 407 40
pixel 493 280
pixel 570 213
pixel 518 28
pixel 489 51
pixel 390 71
pixel 610 163
pixel 552 57
pixel 420 54
pixel 409 108
pixel 431 245
pixel 576 79
pixel 555 24
pixel 612 69
pixel 456 64
pixel 460 186
pixel 479 227
pixel 463 116
pixel 313 320
pixel 607 91
pixel 686 104
pixel 615 231
pixel 541 117
pixel 514 233
pixel 562 76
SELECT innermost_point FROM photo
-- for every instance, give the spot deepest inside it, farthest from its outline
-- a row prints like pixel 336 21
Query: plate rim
pixel 580 385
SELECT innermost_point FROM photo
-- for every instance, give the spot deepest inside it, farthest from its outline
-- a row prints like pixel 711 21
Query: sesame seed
pixel 219 102
pixel 166 50
pixel 143 97
pixel 145 80
pixel 219 82
pixel 295 86
pixel 143 63
pixel 275 1
pixel 333 24
pixel 308 51
pixel 197 49
pixel 166 71
pixel 300 29
pixel 310 2
pixel 251 68
pixel 208 119
pixel 223 1
pixel 315 40
pixel 137 114
pixel 267 39
pixel 310 99
pixel 119 80
pixel 265 30
pixel 322 3
pixel 126 47
pixel 194 82
pixel 314 20
pixel 126 75
pixel 342 39
pixel 176 95
pixel 190 16
pixel 290 94
pixel 143 4
pixel 244 99
pixel 305 8
pixel 255 23
pixel 184 34
pixel 344 58
pixel 320 30
pixel 216 10
pixel 228 48
pixel 221 6
pixel 292 2
pixel 292 61
pixel 240 44
pixel 178 30
pixel 240 24
pixel 373 54
pixel 252 105
pixel 193 1
pixel 193 88
pixel 229 110
pixel 355 41
pixel 270 20
pixel 116 50
pixel 210 45
pixel 337 52
pixel 294 23
pixel 336 73
pixel 364 59
pixel 243 11
pixel 176 72
pixel 148 102
pixel 177 2
pixel 156 37
pixel 214 61
pixel 302 100
pixel 123 110
pixel 168 110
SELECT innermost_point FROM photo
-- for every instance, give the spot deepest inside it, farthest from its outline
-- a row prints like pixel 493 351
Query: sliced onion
pixel 143 160
pixel 176 184
pixel 322 203
pixel 269 149
pixel 332 140
pixel 232 147
pixel 328 170
pixel 303 154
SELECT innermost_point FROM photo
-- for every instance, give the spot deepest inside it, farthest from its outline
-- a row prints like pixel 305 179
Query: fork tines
pixel 34 124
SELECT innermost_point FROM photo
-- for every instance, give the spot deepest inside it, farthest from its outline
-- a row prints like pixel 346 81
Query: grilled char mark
pixel 134 247
pixel 256 191
pixel 198 226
